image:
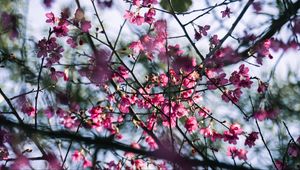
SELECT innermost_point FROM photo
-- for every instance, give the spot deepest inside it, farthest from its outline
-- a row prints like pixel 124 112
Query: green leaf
pixel 178 5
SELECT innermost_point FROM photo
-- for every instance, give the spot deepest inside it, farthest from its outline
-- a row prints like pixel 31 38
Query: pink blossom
pixel 262 87
pixel 72 42
pixel 163 80
pixel 136 2
pixel 134 145
pixel 191 124
pixel 87 163
pixel 54 75
pixel 235 129
pixel 151 143
pixel 149 16
pixel 61 31
pixel 85 26
pixel 214 40
pixel 226 12
pixel 257 6
pixel 251 138
pixel 49 112
pixel 137 47
pixel 209 133
pixel 77 156
pixel 98 71
pixel 232 95
pixel 233 152
pixel 203 112
pixel 263 114
pixel 48 3
pixel 241 78
pixel 149 2
pixel 202 31
pixel 50 18
pixel 218 80
pixel 293 150
pixel 124 104
pixel 279 165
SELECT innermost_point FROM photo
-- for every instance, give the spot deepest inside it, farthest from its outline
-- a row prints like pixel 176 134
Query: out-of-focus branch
pixel 108 143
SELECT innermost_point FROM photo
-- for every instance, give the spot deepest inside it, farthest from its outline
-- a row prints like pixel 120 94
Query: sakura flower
pixel 72 42
pixel 226 12
pixel 85 26
pixel 191 124
pixel 50 18
pixel 235 129
pixel 124 104
pixel 251 138
pixel 136 47
pixel 149 2
pixel 202 31
pixel 54 75
pixel 87 163
pixel 151 143
pixel 279 165
pixel 61 31
pixel 136 2
pixel 293 150
pixel 49 112
pixel 139 163
pixel 77 156
pixel 241 78
pixel 263 114
pixel 218 80
pixel 149 16
pixel 135 146
pixel 262 87
pixel 233 152
pixel 203 112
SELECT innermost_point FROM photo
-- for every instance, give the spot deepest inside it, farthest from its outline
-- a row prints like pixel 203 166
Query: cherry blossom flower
pixel 279 165
pixel 124 104
pixel 263 114
pixel 87 163
pixel 218 80
pixel 149 16
pixel 49 112
pixel 293 150
pixel 262 87
pixel 85 26
pixel 226 12
pixel 50 18
pixel 151 143
pixel 251 138
pixel 203 112
pixel 61 31
pixel 77 156
pixel 233 152
pixel 241 78
pixel 98 71
pixel 191 124
pixel 9 24
pixel 257 6
pixel 201 32
pixel 137 46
